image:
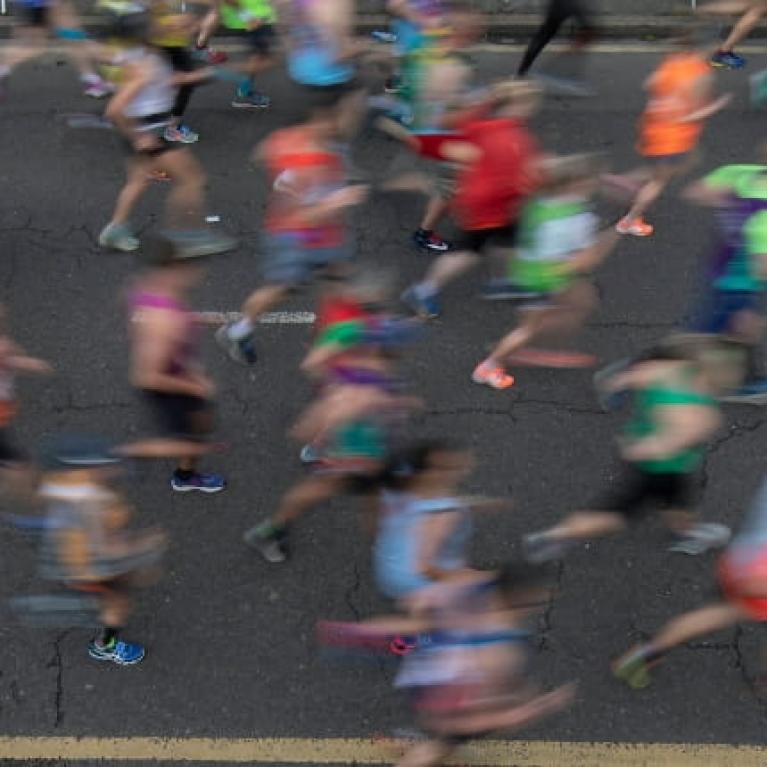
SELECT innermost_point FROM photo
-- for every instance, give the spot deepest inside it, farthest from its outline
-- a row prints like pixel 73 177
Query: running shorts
pixel 478 240
pixel 261 41
pixel 637 488
pixel 180 415
pixel 729 573
pixel 288 261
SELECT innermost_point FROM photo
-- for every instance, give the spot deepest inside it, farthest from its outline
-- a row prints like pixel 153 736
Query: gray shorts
pixel 288 260
pixel 441 174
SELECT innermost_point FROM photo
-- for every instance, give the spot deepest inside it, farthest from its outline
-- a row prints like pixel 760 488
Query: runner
pixel 558 247
pixel 256 20
pixel 470 675
pixel 557 13
pixel 661 448
pixel 680 101
pixel 304 230
pixel 31 35
pixel 173 31
pixel 165 368
pixel 141 110
pixel 752 13
pixel 87 545
pixel 742 575
pixel 17 474
pixel 352 428
pixel 733 304
pixel 500 169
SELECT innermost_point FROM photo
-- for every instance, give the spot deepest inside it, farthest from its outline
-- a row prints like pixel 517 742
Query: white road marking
pixel 270 318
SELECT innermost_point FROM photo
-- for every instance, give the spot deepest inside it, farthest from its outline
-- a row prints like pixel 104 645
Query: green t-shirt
pixel 552 229
pixel 238 14
pixel 743 226
pixel 645 423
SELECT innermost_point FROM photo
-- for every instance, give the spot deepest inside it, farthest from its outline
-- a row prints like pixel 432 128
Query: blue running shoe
pixel 728 60
pixel 202 483
pixel 242 350
pixel 121 653
pixel 310 454
pixel 426 307
pixel 752 393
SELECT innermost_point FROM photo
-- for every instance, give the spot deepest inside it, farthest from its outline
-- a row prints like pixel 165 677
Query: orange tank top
pixel 672 97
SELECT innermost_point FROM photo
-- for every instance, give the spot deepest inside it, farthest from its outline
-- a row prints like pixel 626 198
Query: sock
pixel 245 87
pixel 5 70
pixel 425 289
pixel 91 78
pixel 271 529
pixel 653 654
pixel 424 232
pixel 183 474
pixel 108 638
pixel 240 329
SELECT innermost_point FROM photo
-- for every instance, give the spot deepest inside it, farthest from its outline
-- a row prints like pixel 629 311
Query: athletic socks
pixel 240 329
pixel 107 639
pixel 425 289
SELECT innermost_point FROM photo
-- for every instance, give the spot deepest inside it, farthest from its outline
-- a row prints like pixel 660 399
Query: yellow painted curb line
pixel 493 753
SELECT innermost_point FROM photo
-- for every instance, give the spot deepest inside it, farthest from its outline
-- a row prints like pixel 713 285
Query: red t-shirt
pixel 491 190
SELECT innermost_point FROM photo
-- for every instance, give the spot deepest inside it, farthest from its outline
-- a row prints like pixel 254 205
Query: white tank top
pixel 157 96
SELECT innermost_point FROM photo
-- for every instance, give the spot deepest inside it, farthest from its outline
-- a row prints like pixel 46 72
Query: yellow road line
pixel 492 753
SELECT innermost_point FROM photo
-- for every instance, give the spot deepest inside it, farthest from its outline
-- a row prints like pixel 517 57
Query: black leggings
pixel 181 61
pixel 558 12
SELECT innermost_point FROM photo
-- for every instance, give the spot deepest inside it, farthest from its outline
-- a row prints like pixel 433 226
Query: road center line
pixel 493 753
pixel 270 318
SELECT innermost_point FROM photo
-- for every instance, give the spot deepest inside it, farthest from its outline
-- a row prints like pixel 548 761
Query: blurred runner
pixel 470 675
pixel 142 111
pixel 557 13
pixel 675 415
pixel 558 247
pixel 680 101
pixel 500 169
pixel 256 20
pixel 752 12
pixel 742 575
pixel 88 546
pixel 352 428
pixel 435 86
pixel 31 38
pixel 733 302
pixel 166 368
pixel 16 472
pixel 173 32
pixel 304 231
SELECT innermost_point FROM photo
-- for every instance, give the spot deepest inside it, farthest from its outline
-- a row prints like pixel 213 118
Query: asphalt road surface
pixel 229 637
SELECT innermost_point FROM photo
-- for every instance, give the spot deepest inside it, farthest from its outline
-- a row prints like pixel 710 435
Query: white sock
pixel 240 329
pixel 426 289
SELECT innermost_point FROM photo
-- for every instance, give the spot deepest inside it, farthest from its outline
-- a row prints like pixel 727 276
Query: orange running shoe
pixel 636 226
pixel 492 375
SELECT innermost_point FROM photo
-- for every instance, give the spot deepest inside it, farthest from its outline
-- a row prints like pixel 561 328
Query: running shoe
pixel 121 653
pixel 253 100
pixel 180 134
pixel 635 226
pixel 493 376
pixel 701 538
pixel 608 399
pixel 310 454
pixel 753 393
pixel 118 237
pixel 202 242
pixel 270 545
pixel 430 241
pixel 727 60
pixel 634 669
pixel 541 547
pixel 241 350
pixel 427 307
pixel 393 84
pixel 98 89
pixel 201 483
pixel 209 55
pixel 402 645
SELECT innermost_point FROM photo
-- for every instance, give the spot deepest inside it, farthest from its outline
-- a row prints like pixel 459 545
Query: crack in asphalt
pixel 352 590
pixel 734 431
pixel 545 622
pixel 56 662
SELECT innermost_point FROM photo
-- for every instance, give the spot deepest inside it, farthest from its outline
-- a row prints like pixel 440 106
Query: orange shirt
pixel 672 97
